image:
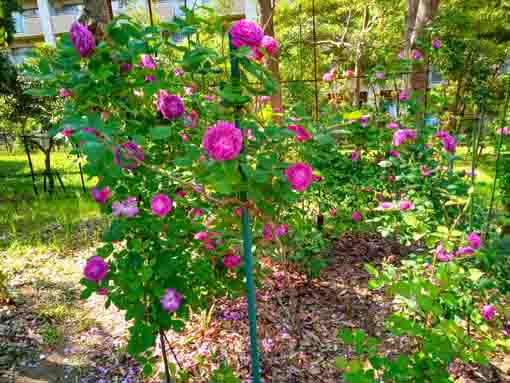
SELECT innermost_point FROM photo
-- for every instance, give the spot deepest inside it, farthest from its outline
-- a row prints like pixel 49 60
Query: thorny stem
pixel 172 351
pixel 165 359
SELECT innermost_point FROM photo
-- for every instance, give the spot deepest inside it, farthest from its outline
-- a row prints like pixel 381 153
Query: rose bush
pixel 170 165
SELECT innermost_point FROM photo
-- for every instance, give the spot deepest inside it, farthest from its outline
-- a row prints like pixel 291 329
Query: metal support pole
pixel 315 63
pixel 27 150
pixel 247 255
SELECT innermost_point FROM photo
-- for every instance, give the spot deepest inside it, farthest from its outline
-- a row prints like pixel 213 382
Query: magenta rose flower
pixel 246 33
pixel 474 240
pixel 300 132
pixel 394 153
pixel 299 175
pixel 392 125
pixel 405 205
pixel 355 156
pixel 425 171
pixel 267 232
pixel 449 143
pixel 282 230
pixel 436 44
pixel 125 68
pixel 223 141
pixel 332 212
pixel 82 39
pixel 464 251
pixel 146 61
pixel 441 254
pixel 329 75
pixel 403 96
pixel 269 44
pixel 416 55
pixel 127 208
pixel 348 73
pixel 67 132
pixel 178 72
pixel 63 92
pixel 128 155
pixel 385 205
pixel 363 121
pixel 95 269
pixel 402 136
pixel 356 216
pixel 100 196
pixel 379 75
pixel 161 204
pixel 171 300
pixel 488 312
pixel 503 131
pixel 231 261
pixel 170 106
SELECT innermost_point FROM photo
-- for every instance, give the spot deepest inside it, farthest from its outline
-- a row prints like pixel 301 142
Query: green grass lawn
pixel 57 220
pixel 15 173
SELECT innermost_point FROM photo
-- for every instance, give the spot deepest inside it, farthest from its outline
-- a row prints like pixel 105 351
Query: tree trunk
pixel 97 14
pixel 358 68
pixel 266 17
pixel 420 14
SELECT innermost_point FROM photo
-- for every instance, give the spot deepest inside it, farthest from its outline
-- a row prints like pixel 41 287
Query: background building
pixel 42 20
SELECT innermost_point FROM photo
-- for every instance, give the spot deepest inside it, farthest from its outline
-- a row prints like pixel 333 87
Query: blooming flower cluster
pixel 474 243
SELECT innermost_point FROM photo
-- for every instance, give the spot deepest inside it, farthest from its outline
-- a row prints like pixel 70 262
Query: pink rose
pixel 299 175
pixel 246 33
pixel 170 106
pixel 82 39
pixel 171 300
pixel 95 269
pixel 223 141
pixel 100 196
pixel 161 205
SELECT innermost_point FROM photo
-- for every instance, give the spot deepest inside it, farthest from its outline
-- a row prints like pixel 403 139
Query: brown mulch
pixel 297 321
pixel 297 325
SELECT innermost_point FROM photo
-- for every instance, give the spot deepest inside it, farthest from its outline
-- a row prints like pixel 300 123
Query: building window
pixel 31 12
pixel 69 9
pixel 18 22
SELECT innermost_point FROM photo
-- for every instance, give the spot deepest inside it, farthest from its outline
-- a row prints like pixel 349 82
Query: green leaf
pixel 160 132
pixel 346 336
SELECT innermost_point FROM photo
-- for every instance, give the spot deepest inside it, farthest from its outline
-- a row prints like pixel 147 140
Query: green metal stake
pixel 248 259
